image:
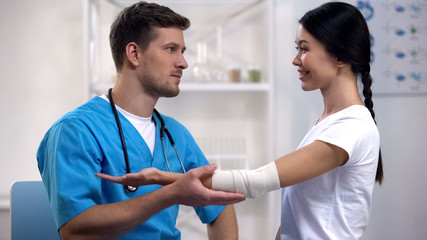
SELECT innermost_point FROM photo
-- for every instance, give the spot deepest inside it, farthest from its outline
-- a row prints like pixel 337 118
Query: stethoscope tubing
pixel 163 130
pixel 122 139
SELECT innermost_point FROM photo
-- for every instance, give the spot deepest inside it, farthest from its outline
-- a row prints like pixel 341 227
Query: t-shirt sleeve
pixel 68 160
pixel 346 133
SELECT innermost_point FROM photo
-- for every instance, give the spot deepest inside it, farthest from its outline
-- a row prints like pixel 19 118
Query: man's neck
pixel 131 98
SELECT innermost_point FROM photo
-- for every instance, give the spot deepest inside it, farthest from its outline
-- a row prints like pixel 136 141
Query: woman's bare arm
pixel 309 162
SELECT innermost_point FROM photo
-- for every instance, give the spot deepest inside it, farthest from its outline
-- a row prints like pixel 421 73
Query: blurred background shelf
pixel 102 87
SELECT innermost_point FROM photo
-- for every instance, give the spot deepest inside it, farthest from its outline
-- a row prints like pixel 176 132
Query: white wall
pixel 41 59
pixel 399 207
pixel 41 78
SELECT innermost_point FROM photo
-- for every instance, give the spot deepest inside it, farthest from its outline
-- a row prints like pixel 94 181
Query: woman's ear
pixel 133 53
pixel 340 63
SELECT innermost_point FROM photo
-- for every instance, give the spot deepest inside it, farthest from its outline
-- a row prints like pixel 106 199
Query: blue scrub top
pixel 86 141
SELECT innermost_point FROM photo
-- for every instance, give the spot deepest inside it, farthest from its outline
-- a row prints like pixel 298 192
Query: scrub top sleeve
pixel 72 157
pixel 209 213
pixel 195 156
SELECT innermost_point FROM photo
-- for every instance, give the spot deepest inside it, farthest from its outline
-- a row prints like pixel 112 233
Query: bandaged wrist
pixel 252 183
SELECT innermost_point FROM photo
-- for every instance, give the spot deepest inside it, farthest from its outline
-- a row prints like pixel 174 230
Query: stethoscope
pixel 163 130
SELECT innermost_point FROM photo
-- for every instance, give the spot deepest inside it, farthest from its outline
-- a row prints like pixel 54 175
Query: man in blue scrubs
pixel 147 44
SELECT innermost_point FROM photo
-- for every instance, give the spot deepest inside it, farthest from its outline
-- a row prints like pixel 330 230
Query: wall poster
pixel 399 44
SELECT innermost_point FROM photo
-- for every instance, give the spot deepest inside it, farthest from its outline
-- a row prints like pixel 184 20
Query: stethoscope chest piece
pixel 130 188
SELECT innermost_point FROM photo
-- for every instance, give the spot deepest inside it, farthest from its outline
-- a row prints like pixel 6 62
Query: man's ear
pixel 133 53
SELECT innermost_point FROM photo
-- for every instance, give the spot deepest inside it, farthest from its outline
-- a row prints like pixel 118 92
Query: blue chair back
pixel 31 217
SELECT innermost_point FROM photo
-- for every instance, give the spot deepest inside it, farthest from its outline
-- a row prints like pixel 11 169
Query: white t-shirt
pixel 336 204
pixel 145 126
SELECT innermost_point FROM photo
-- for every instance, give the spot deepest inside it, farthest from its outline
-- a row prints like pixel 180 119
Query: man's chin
pixel 171 94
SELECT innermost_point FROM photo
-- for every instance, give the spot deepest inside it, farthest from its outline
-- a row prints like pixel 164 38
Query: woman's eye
pixel 301 49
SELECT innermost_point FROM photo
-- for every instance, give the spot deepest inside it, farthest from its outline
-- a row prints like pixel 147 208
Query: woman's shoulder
pixel 355 121
pixel 354 113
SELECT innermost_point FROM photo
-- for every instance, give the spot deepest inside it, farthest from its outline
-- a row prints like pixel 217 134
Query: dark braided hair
pixel 342 23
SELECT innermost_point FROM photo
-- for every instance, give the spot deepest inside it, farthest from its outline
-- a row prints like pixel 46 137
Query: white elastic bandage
pixel 252 183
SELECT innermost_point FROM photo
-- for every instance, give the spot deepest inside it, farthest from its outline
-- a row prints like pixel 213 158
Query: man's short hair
pixel 138 24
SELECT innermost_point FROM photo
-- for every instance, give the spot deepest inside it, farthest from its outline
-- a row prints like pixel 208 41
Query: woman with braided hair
pixel 328 181
pixel 333 51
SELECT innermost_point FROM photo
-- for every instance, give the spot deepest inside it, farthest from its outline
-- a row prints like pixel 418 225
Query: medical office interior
pixel 240 97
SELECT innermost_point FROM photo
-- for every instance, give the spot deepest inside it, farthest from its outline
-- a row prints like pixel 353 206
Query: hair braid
pixel 367 93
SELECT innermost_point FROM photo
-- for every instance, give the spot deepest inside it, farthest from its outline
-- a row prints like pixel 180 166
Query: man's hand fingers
pixel 111 178
pixel 221 198
pixel 226 198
